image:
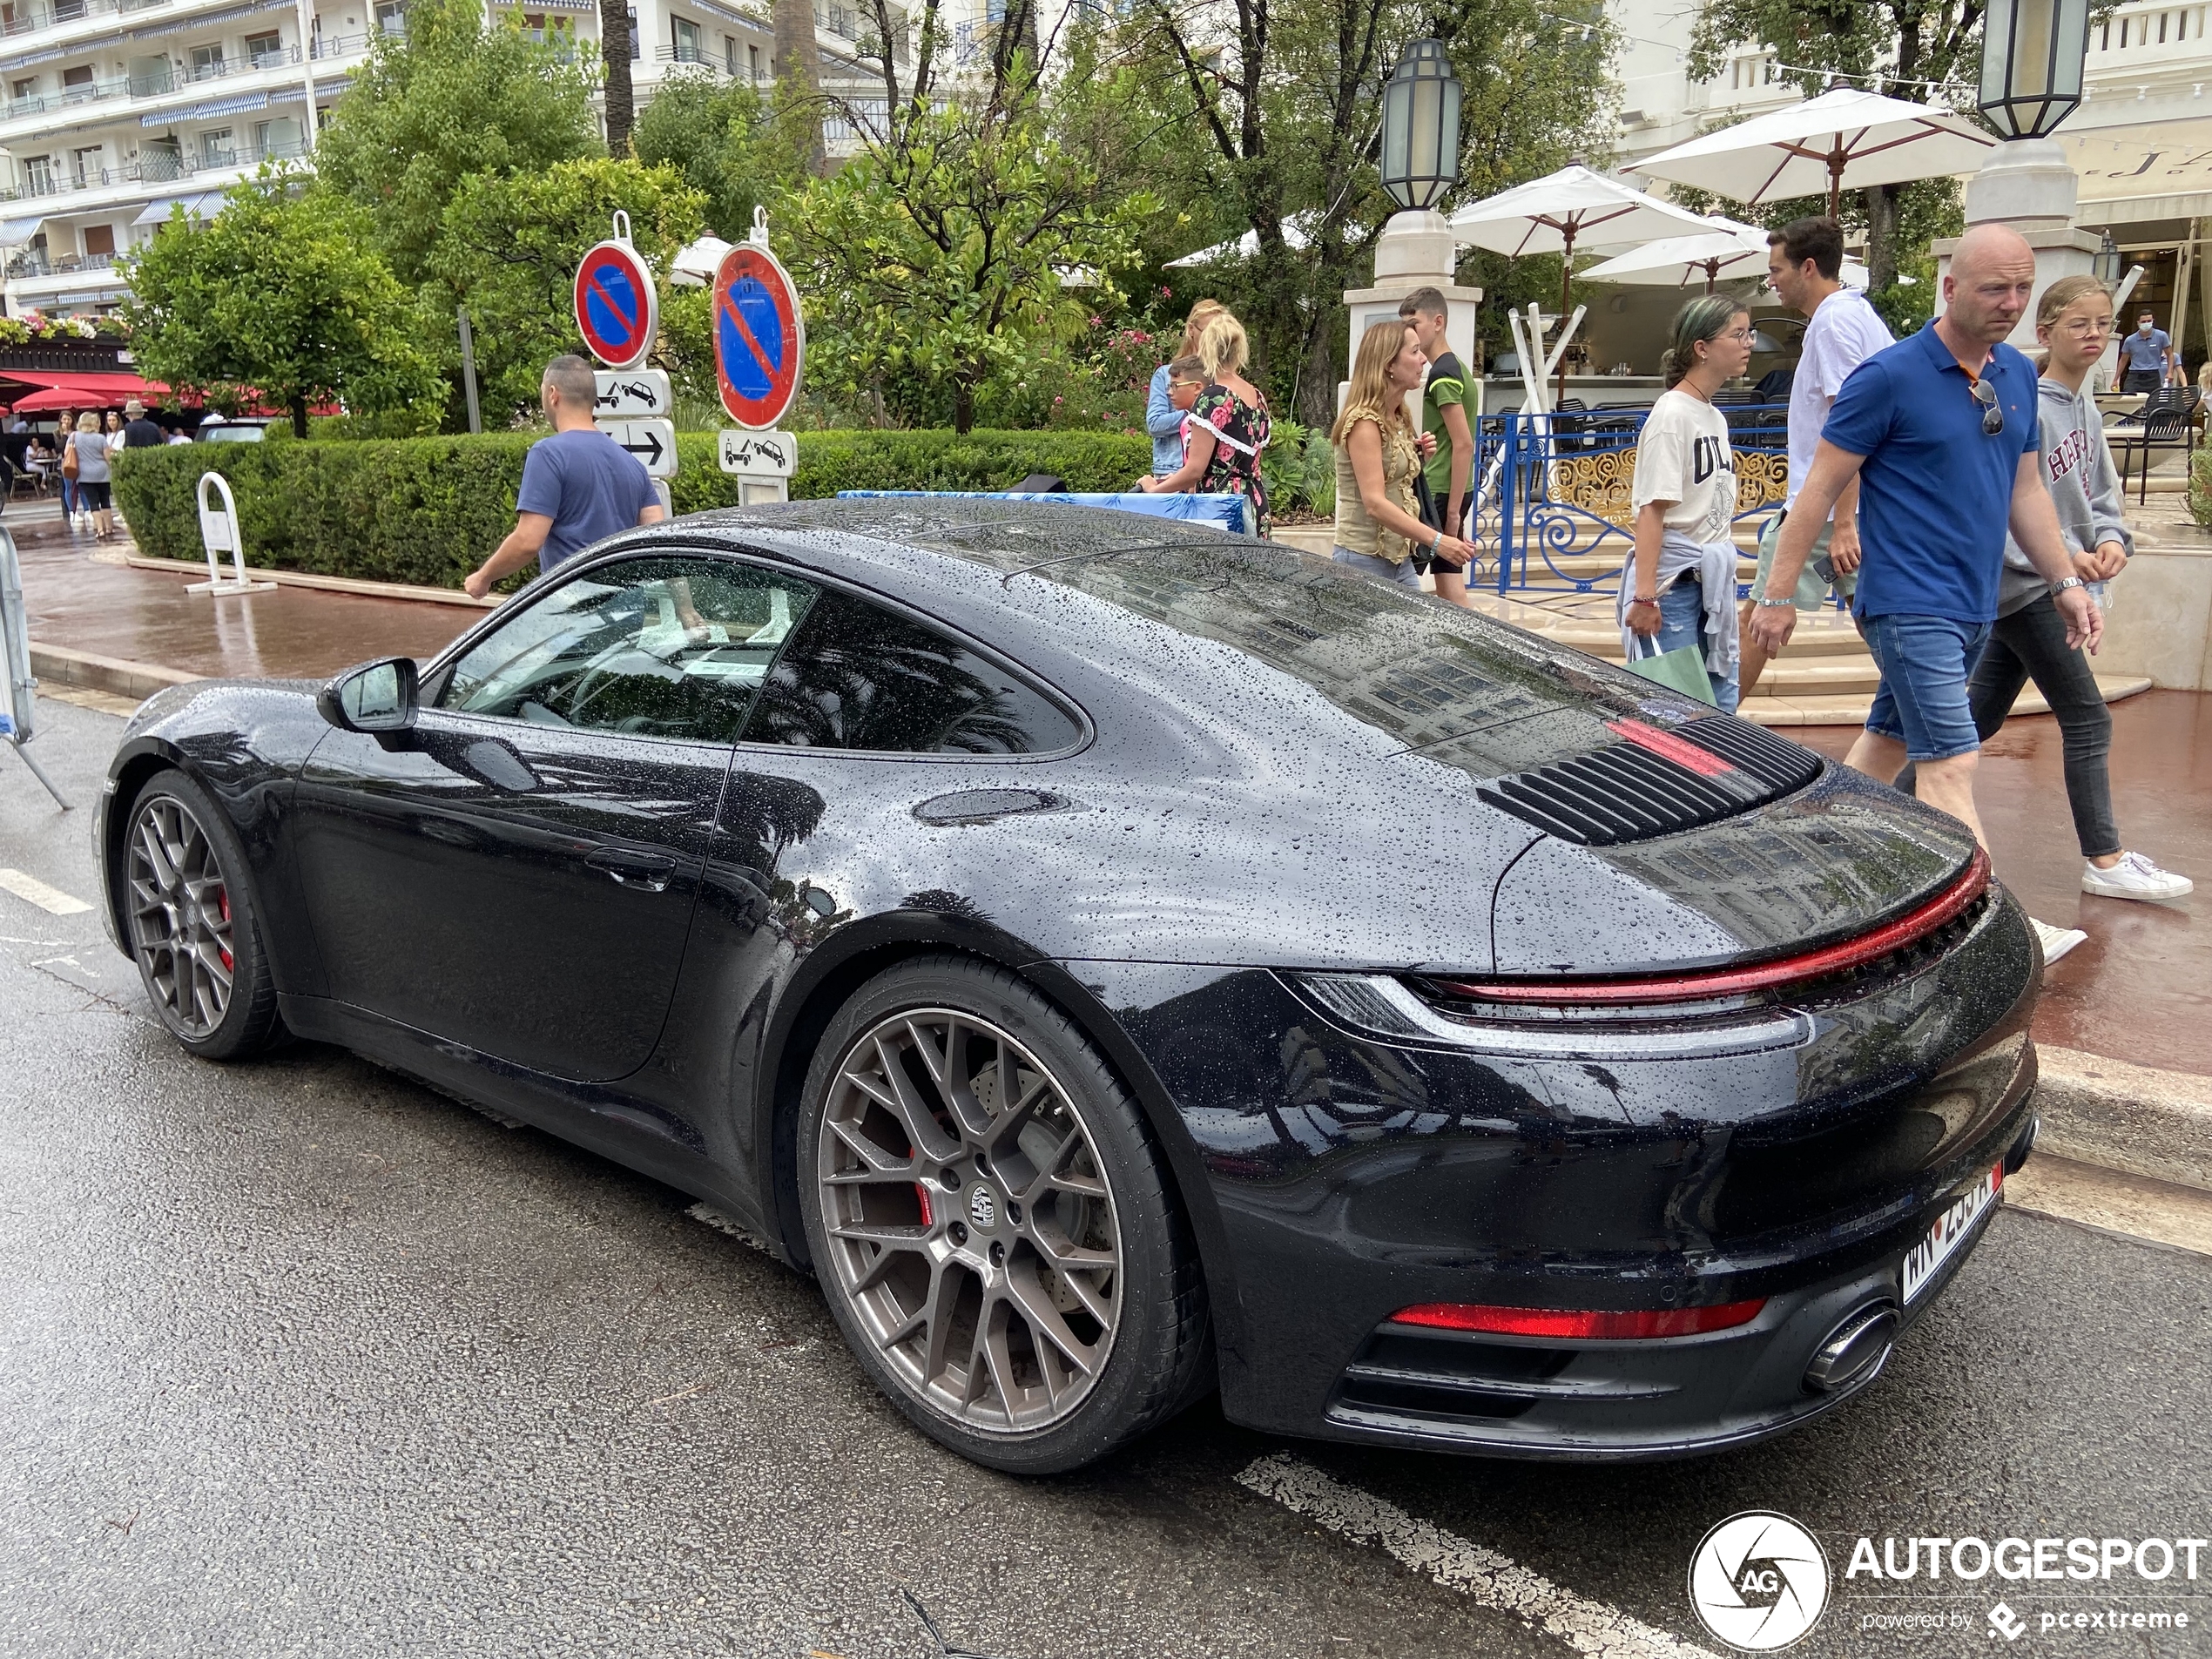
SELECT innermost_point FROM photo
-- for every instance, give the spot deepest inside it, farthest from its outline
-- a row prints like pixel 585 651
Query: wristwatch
pixel 1766 604
pixel 2065 581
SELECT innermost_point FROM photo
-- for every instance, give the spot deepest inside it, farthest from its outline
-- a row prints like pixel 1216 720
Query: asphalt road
pixel 296 1356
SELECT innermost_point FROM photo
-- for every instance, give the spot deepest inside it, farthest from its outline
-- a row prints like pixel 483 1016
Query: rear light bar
pixel 1733 981
pixel 1588 1324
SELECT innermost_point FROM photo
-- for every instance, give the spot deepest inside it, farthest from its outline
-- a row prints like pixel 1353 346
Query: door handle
pixel 648 871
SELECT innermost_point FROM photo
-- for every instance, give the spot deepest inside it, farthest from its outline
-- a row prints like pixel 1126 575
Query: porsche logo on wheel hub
pixel 983 1208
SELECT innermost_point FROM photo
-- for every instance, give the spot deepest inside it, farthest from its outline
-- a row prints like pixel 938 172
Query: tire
pixel 1026 1292
pixel 193 921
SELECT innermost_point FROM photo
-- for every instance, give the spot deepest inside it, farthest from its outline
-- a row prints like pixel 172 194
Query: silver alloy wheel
pixel 181 914
pixel 969 1223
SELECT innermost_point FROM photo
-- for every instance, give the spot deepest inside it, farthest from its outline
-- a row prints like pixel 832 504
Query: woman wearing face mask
pixel 2073 322
pixel 1679 586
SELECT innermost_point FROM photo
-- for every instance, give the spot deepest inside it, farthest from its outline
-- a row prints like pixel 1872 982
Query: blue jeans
pixel 1404 573
pixel 1681 623
pixel 1923 702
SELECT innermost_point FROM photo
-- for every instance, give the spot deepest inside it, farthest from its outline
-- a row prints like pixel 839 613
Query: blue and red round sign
pixel 760 337
pixel 617 309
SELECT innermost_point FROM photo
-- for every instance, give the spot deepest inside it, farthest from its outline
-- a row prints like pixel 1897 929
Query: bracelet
pixel 1776 604
pixel 2064 583
pixel 1651 601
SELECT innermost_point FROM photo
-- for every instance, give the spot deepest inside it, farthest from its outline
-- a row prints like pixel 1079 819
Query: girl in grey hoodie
pixel 2028 641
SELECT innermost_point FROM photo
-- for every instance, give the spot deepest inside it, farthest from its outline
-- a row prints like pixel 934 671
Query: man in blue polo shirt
pixel 1941 430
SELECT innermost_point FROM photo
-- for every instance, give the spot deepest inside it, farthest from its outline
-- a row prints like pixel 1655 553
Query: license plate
pixel 1950 1230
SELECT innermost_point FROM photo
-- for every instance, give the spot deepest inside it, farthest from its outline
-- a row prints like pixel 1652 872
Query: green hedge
pixel 428 510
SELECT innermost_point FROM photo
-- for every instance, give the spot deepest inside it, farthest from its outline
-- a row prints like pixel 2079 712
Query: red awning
pixel 32 391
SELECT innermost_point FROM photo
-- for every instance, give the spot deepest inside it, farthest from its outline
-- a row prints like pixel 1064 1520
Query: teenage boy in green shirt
pixel 1450 466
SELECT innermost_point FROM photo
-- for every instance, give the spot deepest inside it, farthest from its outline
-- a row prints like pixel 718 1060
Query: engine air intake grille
pixel 1655 782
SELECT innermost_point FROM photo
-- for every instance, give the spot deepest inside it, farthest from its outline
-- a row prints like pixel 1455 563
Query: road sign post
pixel 18 687
pixel 760 348
pixel 618 305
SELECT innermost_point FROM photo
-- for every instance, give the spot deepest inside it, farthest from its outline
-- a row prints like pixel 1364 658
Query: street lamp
pixel 2105 264
pixel 1420 127
pixel 2031 52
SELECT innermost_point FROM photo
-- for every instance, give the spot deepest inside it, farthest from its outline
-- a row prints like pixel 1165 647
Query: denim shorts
pixel 1403 572
pixel 1923 702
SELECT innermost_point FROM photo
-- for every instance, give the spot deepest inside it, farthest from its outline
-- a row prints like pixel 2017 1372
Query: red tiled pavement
pixel 2140 990
pixel 146 616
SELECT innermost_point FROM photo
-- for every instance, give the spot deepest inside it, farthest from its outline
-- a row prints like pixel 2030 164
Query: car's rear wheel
pixel 990 1222
pixel 194 925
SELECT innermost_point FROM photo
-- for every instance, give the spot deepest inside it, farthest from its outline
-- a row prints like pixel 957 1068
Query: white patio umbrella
pixel 1730 249
pixel 1297 236
pixel 1570 210
pixel 1843 138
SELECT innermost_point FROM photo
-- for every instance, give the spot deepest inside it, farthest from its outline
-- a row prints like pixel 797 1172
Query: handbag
pixel 1680 670
pixel 69 459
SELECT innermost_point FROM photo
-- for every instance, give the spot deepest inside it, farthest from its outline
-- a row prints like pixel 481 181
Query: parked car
pixel 1120 959
pixel 215 429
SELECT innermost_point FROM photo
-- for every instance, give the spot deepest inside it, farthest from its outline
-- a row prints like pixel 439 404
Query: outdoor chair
pixel 2166 421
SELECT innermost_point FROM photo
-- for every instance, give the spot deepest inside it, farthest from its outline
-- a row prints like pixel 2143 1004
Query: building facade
pixel 117 110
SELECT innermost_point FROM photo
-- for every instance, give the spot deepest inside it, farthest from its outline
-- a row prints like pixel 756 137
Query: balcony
pixel 28 16
pixel 151 167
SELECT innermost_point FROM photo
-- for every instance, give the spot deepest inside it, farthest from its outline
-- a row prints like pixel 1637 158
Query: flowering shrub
pixel 32 327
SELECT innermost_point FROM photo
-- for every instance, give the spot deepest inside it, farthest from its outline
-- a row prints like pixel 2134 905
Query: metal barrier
pixel 1556 490
pixel 19 695
pixel 220 533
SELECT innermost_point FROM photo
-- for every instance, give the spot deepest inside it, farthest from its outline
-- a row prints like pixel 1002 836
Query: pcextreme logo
pixel 1759 1581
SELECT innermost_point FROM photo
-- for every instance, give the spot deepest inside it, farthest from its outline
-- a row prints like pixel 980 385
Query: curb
pixel 116 674
pixel 304 579
pixel 2135 1119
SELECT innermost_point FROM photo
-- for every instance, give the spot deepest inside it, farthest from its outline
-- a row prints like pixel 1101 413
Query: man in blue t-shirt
pixel 2145 356
pixel 579 486
pixel 1941 432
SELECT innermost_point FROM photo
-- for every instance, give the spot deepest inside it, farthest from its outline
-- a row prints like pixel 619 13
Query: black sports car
pixel 1121 960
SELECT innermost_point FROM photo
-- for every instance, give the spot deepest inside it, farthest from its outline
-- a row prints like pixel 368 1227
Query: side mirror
pixel 375 696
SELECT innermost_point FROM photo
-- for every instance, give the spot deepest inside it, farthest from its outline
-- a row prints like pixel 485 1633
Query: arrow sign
pixel 651 442
pixel 759 338
pixel 617 309
pixel 632 394
pixel 758 455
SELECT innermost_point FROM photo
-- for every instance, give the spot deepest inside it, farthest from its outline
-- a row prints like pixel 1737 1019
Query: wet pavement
pixel 146 616
pixel 2140 990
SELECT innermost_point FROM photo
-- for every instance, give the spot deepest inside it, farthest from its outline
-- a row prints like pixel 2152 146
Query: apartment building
pixel 115 110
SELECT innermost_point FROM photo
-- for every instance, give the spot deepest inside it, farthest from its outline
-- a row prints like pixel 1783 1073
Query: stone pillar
pixel 1416 250
pixel 2028 185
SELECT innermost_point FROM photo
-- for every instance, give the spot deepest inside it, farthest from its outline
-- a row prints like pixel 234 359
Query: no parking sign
pixel 618 308
pixel 760 336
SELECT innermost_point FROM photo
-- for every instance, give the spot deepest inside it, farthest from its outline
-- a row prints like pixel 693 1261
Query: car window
pixel 857 676
pixel 656 647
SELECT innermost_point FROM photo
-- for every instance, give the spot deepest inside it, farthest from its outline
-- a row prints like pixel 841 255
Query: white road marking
pixel 1482 1575
pixel 52 900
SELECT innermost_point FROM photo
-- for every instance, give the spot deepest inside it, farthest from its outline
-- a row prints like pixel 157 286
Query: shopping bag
pixel 1680 670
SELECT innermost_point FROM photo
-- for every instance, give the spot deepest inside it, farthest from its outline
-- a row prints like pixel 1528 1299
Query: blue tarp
pixel 1225 511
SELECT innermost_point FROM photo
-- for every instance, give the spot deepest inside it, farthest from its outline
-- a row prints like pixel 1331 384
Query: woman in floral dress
pixel 1227 430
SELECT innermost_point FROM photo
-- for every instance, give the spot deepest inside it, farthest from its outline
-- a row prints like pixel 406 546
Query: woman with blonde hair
pixel 1229 428
pixel 1162 418
pixel 1378 527
pixel 89 446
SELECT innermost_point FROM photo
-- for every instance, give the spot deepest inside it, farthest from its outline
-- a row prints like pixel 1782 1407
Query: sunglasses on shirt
pixel 1992 418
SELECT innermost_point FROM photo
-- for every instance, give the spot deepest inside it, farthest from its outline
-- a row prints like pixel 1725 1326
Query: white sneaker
pixel 2056 941
pixel 2134 877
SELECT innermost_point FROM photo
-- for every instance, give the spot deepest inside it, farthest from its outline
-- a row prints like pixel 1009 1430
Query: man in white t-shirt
pixel 1804 262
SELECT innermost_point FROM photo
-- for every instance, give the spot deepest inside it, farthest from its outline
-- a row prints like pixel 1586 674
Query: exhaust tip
pixel 2024 1145
pixel 1854 1351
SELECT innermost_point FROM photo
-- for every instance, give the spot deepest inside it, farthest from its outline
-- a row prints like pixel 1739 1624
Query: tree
pixel 798 74
pixel 1275 106
pixel 509 246
pixel 727 141
pixel 448 100
pixel 280 296
pixel 1909 49
pixel 614 51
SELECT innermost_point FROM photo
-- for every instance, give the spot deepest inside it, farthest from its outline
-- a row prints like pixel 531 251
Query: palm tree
pixel 614 44
pixel 798 74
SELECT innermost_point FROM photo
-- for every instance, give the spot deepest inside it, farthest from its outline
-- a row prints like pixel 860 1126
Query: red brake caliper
pixel 223 898
pixel 922 1193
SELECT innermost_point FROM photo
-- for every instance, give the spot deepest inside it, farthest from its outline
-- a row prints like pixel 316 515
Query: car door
pixel 517 874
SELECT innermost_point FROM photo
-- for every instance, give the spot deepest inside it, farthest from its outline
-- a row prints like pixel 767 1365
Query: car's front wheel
pixel 194 926
pixel 990 1222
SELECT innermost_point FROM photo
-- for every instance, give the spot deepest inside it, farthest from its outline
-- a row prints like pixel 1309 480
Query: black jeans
pixel 2031 644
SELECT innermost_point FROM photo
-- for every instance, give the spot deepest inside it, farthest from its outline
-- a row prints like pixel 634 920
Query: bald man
pixel 1941 433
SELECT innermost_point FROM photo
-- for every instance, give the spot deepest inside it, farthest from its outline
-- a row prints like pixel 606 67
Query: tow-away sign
pixel 632 394
pixel 651 442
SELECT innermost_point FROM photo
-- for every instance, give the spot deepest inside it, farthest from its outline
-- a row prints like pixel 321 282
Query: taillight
pixel 1589 1324
pixel 1706 983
